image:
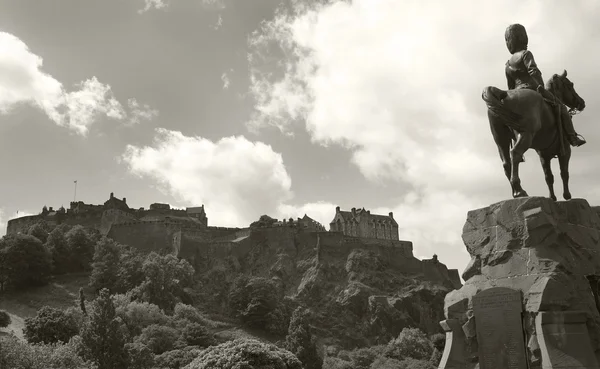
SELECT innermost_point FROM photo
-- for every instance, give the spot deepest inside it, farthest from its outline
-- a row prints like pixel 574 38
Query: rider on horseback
pixel 522 72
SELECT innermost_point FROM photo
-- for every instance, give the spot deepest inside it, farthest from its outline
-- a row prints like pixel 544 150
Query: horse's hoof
pixel 521 193
pixel 553 197
pixel 567 196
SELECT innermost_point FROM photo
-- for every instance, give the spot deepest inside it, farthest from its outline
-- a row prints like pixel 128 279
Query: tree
pixel 105 265
pixel 411 343
pixel 56 243
pixel 81 247
pixel 254 301
pixel 195 334
pixel 263 221
pixel 130 272
pixel 247 354
pixel 4 319
pixel 50 325
pixel 24 261
pixel 166 277
pixel 301 342
pixel 101 337
pixel 140 356
pixel 39 230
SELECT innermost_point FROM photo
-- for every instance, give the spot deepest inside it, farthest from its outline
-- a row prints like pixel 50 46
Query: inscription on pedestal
pixel 499 328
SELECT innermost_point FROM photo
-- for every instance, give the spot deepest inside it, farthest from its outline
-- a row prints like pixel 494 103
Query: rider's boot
pixel 572 136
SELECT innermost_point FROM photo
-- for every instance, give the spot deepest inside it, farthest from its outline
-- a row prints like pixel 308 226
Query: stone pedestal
pixel 454 356
pixel 564 340
pixel 550 253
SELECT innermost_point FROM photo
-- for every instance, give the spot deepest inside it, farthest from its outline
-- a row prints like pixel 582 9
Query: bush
pixel 177 359
pixel 382 362
pixel 336 363
pixel 195 334
pixel 50 325
pixel 187 312
pixel 301 342
pixel 411 343
pixel 81 248
pixel 4 319
pixel 411 363
pixel 364 357
pixel 15 353
pixel 159 338
pixel 244 353
pixel 24 261
pixel 139 315
pixel 253 301
pixel 140 356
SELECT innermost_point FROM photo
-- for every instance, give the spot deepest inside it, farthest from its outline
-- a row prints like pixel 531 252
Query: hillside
pixel 361 291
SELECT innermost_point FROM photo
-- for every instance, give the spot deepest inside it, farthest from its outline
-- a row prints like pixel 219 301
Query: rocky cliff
pixel 361 291
pixel 550 252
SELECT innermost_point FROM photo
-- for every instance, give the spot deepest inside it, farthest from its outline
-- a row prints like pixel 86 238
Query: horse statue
pixel 521 119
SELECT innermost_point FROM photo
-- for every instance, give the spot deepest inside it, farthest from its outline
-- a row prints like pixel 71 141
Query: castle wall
pixel 145 236
pixel 22 224
pixel 114 216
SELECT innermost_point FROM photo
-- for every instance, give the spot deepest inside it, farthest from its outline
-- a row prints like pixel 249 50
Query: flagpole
pixel 75 193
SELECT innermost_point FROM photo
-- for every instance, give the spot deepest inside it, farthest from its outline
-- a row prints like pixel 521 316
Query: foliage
pixel 105 265
pixel 24 261
pixel 177 359
pixel 80 244
pixel 102 340
pixel 382 362
pixel 254 301
pixel 363 358
pixel 138 315
pixel 130 272
pixel 336 363
pixel 195 334
pixel 438 341
pixel 301 342
pixel 50 325
pixel 56 244
pixel 159 338
pixel 39 230
pixel 140 356
pixel 248 354
pixel 4 319
pixel 187 312
pixel 411 363
pixel 263 221
pixel 17 354
pixel 165 278
pixel 411 343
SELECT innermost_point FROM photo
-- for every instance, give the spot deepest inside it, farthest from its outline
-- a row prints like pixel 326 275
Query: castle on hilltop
pixel 184 231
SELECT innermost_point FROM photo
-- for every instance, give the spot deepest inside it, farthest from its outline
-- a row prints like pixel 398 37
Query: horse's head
pixel 564 89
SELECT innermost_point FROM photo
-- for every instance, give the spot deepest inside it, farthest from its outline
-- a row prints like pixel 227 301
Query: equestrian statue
pixel 531 115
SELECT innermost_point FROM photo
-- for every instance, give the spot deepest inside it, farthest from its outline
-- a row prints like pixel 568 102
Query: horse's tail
pixel 493 97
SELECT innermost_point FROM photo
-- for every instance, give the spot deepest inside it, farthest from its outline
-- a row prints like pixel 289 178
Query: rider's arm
pixel 509 80
pixel 532 68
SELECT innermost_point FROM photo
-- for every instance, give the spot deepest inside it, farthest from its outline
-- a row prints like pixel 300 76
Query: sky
pixel 280 108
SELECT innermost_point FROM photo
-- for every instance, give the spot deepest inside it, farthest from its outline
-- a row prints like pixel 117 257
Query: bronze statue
pixel 529 115
pixel 522 72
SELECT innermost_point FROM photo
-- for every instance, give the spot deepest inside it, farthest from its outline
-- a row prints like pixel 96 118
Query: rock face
pixel 361 291
pixel 550 252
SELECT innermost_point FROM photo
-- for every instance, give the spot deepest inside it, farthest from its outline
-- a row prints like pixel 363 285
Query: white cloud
pixel 22 81
pixel 219 23
pixel 323 212
pixel 140 112
pixel 399 83
pixel 152 4
pixel 236 179
pixel 225 80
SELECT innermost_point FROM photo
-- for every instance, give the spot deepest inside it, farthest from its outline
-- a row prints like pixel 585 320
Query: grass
pixel 62 292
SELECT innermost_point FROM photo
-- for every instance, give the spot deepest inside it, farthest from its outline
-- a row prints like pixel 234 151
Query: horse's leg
pixel 516 156
pixel 502 136
pixel 563 162
pixel 546 161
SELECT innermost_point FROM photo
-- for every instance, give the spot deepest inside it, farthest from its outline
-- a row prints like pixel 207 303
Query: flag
pixel 75 181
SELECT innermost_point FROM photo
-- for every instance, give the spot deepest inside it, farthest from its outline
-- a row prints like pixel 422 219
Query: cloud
pixel 226 80
pixel 323 212
pixel 140 112
pixel 22 81
pixel 219 23
pixel 152 4
pixel 236 179
pixel 398 83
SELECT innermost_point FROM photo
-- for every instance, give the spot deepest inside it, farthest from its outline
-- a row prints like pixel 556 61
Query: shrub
pixel 336 363
pixel 140 356
pixel 139 315
pixel 411 343
pixel 195 334
pixel 244 353
pixel 253 301
pixel 187 312
pixel 50 325
pixel 24 261
pixel 15 353
pixel 159 338
pixel 301 342
pixel 177 359
pixel 4 319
